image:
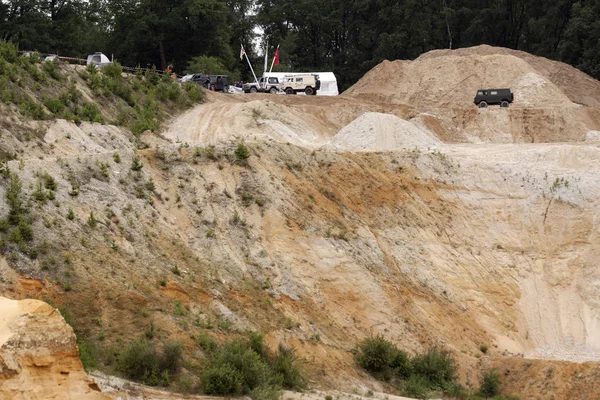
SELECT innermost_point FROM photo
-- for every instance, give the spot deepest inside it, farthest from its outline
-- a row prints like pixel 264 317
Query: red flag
pixel 276 59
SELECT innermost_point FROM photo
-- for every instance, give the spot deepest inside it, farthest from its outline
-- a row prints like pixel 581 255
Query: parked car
pixel 98 59
pixel 219 83
pixel 307 83
pixel 200 79
pixel 268 83
pixel 493 96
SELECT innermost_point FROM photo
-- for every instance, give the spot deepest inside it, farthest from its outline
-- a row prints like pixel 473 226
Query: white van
pixel 301 83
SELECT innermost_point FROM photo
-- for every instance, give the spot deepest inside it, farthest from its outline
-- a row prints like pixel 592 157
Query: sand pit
pixel 381 132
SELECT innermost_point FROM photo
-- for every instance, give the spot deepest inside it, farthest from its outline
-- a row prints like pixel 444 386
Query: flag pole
pixel 243 52
pixel 251 69
pixel 266 56
pixel 273 62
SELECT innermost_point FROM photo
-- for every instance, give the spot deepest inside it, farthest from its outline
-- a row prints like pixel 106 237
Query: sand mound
pixel 381 132
pixel 579 87
pixel 452 81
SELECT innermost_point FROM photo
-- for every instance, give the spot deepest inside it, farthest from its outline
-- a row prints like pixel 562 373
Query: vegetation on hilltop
pixel 42 90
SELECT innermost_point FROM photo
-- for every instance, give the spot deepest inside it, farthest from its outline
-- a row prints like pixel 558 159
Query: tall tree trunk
pixel 161 50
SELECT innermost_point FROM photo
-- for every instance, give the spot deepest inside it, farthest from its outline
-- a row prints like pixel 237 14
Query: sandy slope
pixel 430 224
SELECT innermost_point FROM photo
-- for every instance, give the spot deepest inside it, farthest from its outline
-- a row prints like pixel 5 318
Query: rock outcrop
pixel 39 356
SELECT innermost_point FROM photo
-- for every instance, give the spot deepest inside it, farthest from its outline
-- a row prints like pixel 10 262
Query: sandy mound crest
pixel 452 81
pixel 381 132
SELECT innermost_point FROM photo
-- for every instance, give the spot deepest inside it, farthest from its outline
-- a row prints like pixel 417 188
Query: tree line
pixel 346 36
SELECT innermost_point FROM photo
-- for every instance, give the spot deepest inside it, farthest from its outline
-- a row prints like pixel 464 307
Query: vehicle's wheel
pixel 289 91
pixel 273 90
pixel 482 104
pixel 253 90
pixel 309 91
pixel 504 104
pixel 225 89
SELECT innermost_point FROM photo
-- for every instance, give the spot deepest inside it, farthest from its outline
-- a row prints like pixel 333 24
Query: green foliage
pixel 417 386
pixel 376 354
pixel 14 199
pixel 50 68
pixel 237 368
pixel 90 112
pixel 490 384
pixel 88 356
pixel 401 364
pixel 206 65
pixel 8 51
pixel 242 153
pixel 437 365
pixel 136 164
pixel 222 380
pixel 16 226
pixel 285 364
pixel 193 91
pixel 483 348
pixel 54 105
pixel 92 222
pixel 39 193
pixel 32 109
pixel 141 362
pixel 434 370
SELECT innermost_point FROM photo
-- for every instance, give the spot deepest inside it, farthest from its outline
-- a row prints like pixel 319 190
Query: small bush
pixel 490 385
pixel 136 164
pixel 50 68
pixel 193 91
pixel 417 386
pixel 483 348
pixel 32 109
pixel 141 362
pixel 376 354
pixel 49 182
pixel 92 221
pixel 54 105
pixel 207 343
pixel 437 365
pixel 137 361
pixel 247 367
pixel 8 51
pixel 285 364
pixel 242 153
pixel 113 70
pixel 90 112
pixel 171 357
pixel 221 380
pixel 401 365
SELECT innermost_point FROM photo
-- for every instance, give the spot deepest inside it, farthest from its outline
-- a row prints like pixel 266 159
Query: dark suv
pixel 493 96
pixel 219 83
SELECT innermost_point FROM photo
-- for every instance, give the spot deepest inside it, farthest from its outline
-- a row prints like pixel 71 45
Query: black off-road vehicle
pixel 493 96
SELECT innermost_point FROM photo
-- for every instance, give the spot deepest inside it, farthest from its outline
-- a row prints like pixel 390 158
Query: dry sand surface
pixel 381 132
